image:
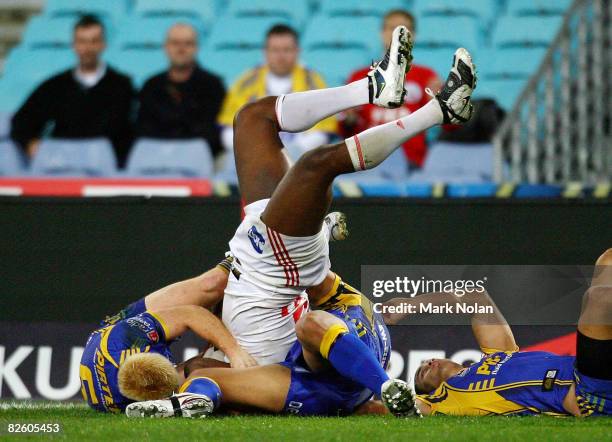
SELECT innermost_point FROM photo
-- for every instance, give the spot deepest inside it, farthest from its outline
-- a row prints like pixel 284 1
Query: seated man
pixel 507 381
pixel 280 250
pixel 183 102
pixel 146 328
pixel 89 101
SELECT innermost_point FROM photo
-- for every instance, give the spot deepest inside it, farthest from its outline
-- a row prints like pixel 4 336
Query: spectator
pixel 184 101
pixel 89 101
pixel 417 79
pixel 281 74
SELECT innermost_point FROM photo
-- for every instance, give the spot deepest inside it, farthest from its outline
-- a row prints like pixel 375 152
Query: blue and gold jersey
pixel 107 348
pixel 534 382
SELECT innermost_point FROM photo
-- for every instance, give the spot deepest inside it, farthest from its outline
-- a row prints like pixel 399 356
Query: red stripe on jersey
pixel 359 153
pixel 293 266
pixel 279 260
pixel 287 260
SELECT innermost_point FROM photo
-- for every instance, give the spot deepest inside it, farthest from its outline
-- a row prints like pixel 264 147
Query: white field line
pixel 40 405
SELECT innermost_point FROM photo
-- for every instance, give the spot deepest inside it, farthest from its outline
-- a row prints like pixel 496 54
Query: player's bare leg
pixel 262 388
pixel 302 198
pixel 260 161
pixel 596 317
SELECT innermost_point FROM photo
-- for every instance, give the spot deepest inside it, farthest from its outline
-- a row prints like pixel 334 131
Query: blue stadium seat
pixel 112 9
pixel 86 157
pixel 170 158
pixel 43 31
pixel 537 191
pixel 139 64
pixel 230 63
pixel 25 69
pixel 228 173
pixel 360 8
pixel 5 125
pixel 456 163
pixel 150 32
pixel 294 12
pixel 336 64
pixel 438 59
pixel 204 11
pixel 504 90
pixel 483 190
pixel 513 31
pixel 537 7
pixel 483 10
pixel 11 161
pixel 418 190
pixel 382 188
pixel 247 32
pixel 511 63
pixel 448 32
pixel 343 32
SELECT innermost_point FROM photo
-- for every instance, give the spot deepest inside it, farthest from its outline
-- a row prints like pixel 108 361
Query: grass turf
pixel 81 423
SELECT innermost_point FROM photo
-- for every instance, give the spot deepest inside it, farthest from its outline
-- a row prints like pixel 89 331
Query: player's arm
pixel 491 330
pixel 207 326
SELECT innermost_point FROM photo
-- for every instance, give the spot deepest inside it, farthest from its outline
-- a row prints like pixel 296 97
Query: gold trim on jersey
pixel 162 323
pixel 106 331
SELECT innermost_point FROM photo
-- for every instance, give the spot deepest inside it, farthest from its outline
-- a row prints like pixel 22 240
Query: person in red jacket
pixel 417 79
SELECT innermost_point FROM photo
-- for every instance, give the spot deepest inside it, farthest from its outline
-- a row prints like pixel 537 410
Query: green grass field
pixel 80 423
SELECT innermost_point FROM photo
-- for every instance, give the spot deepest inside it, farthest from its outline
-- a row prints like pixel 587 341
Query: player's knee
pixel 250 112
pixel 311 328
pixel 605 258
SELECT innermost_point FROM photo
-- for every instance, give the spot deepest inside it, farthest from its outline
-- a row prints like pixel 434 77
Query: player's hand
pixel 241 359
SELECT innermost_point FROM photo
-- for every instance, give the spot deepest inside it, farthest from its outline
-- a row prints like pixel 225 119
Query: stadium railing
pixel 556 131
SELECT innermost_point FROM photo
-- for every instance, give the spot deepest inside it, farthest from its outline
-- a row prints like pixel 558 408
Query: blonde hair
pixel 147 376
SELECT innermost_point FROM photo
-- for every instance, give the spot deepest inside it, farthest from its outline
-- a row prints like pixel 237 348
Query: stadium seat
pixel 484 10
pixel 438 59
pixel 228 173
pixel 43 31
pixel 247 32
pixel 294 12
pixel 5 125
pixel 25 69
pixel 170 158
pixel 360 8
pixel 340 32
pixel 537 191
pixel 504 90
pixel 448 32
pixel 537 7
pixel 456 163
pixel 204 11
pixel 112 9
pixel 230 63
pixel 513 31
pixel 86 157
pixel 139 64
pixel 150 32
pixel 418 190
pixel 484 190
pixel 511 63
pixel 11 161
pixel 336 64
pixel 382 188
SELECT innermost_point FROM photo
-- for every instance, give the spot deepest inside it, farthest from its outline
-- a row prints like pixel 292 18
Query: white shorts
pixel 263 325
pixel 265 295
pixel 278 264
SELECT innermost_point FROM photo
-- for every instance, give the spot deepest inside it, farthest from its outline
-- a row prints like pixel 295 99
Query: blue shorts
pixel 328 393
pixel 594 396
pixel 135 308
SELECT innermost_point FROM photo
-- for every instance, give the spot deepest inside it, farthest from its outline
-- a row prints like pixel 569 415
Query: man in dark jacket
pixel 182 102
pixel 89 101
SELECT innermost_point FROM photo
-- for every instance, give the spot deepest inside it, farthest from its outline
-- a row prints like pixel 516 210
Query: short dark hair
pixel 281 29
pixel 403 13
pixel 418 389
pixel 88 20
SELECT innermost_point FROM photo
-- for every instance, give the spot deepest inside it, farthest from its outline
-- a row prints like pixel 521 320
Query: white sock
pixel 370 148
pixel 300 111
